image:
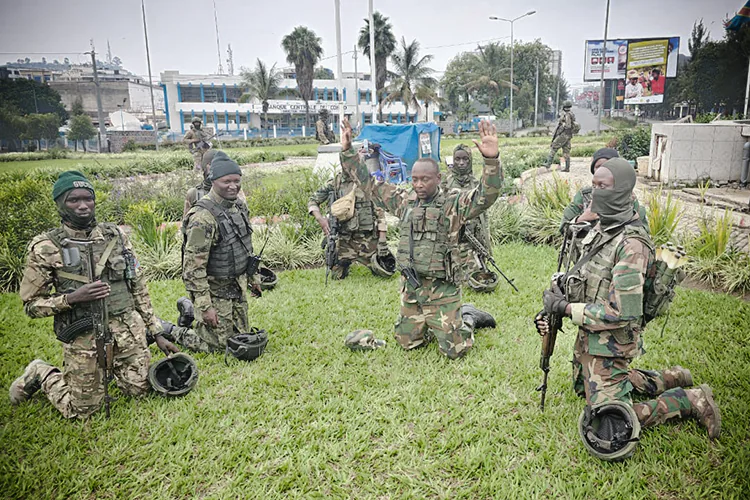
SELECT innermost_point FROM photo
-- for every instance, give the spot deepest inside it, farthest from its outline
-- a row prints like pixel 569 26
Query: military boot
pixel 27 384
pixel 677 376
pixel 167 327
pixel 704 408
pixel 567 165
pixel 549 159
pixel 475 318
pixel 187 312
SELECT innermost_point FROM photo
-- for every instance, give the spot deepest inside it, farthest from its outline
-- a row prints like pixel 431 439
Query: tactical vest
pixel 231 253
pixel 435 256
pixel 591 283
pixel 74 273
pixel 364 220
pixel 586 194
pixel 477 226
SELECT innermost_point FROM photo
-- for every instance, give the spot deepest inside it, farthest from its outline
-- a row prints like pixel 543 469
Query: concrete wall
pixel 118 139
pixel 138 99
pixel 686 153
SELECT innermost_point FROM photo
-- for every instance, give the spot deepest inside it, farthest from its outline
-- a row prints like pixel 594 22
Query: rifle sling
pixel 71 276
pixel 103 259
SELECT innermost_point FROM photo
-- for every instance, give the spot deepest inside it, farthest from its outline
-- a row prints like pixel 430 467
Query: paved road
pixel 586 119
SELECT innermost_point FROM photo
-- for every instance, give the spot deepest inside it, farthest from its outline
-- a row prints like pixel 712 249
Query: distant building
pixel 216 100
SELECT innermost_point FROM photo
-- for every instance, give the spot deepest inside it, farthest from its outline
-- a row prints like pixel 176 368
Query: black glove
pixel 554 302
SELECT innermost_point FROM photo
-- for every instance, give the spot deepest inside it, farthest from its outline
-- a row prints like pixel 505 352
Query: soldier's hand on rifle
pixel 346 135
pixel 255 290
pixel 323 224
pixel 210 317
pixel 587 215
pixel 89 292
pixel 542 324
pixel 488 136
pixel 165 346
pixel 555 302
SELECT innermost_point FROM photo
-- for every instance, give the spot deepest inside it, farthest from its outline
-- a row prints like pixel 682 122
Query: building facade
pixel 216 100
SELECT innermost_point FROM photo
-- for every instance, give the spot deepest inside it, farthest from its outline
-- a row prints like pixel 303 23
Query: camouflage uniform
pixel 563 138
pixel 323 133
pixel 357 237
pixel 213 270
pixel 434 225
pixel 78 390
pixel 194 149
pixel 606 297
pixel 479 227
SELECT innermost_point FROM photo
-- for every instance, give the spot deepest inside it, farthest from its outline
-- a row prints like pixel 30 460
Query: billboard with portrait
pixel 615 64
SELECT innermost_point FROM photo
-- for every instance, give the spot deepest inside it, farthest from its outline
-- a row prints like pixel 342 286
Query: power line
pixel 41 53
pixel 468 43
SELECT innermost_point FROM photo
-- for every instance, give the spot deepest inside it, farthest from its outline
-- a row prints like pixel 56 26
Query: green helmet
pixel 324 113
pixel 196 119
pixel 268 279
pixel 610 431
pixel 363 340
pixel 567 104
pixel 483 281
pixel 175 375
pixel 383 266
pixel 247 346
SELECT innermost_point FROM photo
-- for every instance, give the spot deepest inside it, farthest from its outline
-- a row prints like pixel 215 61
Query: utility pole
pixel 536 94
pixel 99 112
pixel 339 66
pixel 373 72
pixel 218 46
pixel 150 82
pixel 601 79
pixel 356 86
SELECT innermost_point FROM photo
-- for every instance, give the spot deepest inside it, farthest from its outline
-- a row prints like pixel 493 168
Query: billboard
pixel 647 66
pixel 618 55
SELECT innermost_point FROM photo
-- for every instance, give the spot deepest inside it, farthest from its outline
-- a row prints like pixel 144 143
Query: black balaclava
pixel 615 206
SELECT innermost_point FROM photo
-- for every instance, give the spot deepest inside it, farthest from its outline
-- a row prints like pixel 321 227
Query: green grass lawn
pixel 311 419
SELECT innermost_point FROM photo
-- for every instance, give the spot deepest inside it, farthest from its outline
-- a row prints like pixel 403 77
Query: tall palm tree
pixel 385 44
pixel 303 50
pixel 428 94
pixel 489 74
pixel 410 73
pixel 262 84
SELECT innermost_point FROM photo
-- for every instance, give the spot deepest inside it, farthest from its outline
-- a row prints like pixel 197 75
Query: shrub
pixel 634 143
pixel 734 272
pixel 157 245
pixel 707 249
pixel 663 216
pixel 546 205
pixel 131 146
pixel 287 247
pixel 506 222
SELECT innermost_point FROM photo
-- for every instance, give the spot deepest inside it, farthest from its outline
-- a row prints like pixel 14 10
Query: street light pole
pixel 601 78
pixel 150 81
pixel 511 21
pixel 373 72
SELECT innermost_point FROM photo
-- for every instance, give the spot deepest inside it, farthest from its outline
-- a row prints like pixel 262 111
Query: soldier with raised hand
pixel 461 177
pixel 56 283
pixel 430 222
pixel 567 127
pixel 217 250
pixel 323 133
pixel 604 296
pixel 197 140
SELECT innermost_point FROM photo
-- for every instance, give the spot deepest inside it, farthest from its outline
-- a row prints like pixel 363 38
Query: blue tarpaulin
pixel 403 140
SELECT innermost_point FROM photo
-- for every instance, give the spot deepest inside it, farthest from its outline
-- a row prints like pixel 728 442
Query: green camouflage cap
pixel 363 340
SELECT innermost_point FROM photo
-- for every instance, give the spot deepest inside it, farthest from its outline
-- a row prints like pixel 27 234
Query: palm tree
pixel 410 75
pixel 262 84
pixel 489 73
pixel 427 94
pixel 385 44
pixel 303 50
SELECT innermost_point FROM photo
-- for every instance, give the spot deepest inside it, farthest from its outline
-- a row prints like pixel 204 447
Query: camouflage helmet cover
pixel 567 104
pixel 175 375
pixel 196 119
pixel 610 431
pixel 324 113
pixel 483 281
pixel 363 340
pixel 384 266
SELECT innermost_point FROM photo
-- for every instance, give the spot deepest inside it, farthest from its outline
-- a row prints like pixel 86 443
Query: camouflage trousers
pixel 354 247
pixel 232 315
pixel 600 379
pixel 197 159
pixel 78 391
pixel 561 141
pixel 433 310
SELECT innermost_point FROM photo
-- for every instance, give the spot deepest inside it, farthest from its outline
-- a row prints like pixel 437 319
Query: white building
pixel 215 99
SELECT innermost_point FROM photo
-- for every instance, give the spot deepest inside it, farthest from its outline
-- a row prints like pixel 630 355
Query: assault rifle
pixel 253 264
pixel 485 254
pixel 330 242
pixel 554 321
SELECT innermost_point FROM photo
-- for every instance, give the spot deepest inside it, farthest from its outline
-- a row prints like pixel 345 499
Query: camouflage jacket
pixel 582 198
pixel 45 260
pixel 606 293
pixel 201 234
pixel 565 123
pixel 367 217
pixel 193 133
pixel 323 133
pixel 479 226
pixel 441 218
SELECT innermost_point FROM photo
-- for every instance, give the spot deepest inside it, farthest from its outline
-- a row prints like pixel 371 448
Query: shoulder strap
pixel 216 210
pixel 590 254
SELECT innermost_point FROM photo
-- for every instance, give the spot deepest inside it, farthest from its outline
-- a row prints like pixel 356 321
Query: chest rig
pixel 231 252
pixel 364 219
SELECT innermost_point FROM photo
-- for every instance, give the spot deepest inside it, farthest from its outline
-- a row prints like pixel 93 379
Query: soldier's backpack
pixel 576 127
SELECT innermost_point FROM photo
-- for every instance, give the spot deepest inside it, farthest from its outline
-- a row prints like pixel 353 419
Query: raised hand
pixel 488 136
pixel 346 135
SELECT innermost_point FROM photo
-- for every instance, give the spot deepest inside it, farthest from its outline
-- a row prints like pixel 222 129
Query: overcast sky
pixel 182 36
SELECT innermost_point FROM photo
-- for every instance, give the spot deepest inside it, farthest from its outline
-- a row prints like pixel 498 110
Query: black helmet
pixel 268 279
pixel 175 375
pixel 610 430
pixel 383 266
pixel 247 346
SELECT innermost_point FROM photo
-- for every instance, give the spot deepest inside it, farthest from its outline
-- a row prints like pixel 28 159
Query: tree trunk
pixel 84 145
pixel 307 115
pixel 265 119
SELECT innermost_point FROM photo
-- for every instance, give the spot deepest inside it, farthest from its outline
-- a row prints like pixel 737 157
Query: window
pixel 234 94
pixel 213 94
pixel 243 118
pixel 190 94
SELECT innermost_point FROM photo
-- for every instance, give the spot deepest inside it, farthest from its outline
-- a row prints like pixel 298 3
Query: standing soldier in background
pixel 323 134
pixel 567 127
pixel 362 238
pixel 58 258
pixel 461 177
pixel 197 140
pixel 217 250
pixel 430 223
